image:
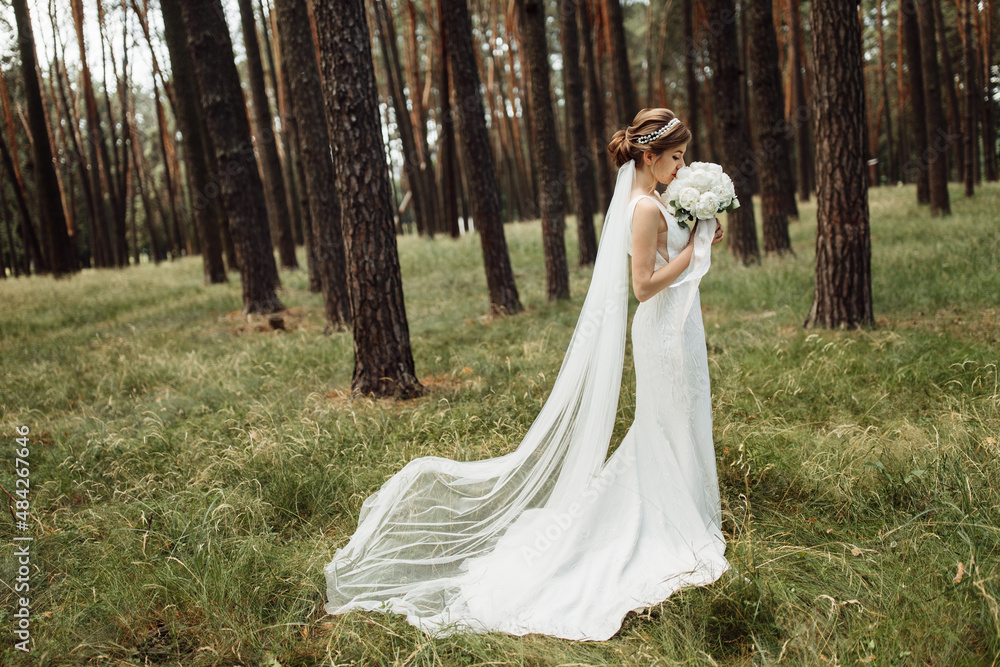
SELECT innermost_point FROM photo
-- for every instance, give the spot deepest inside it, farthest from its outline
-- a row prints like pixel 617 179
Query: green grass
pixel 191 475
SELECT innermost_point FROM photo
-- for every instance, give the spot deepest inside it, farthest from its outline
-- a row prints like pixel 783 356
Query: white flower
pixel 703 180
pixel 707 206
pixel 688 197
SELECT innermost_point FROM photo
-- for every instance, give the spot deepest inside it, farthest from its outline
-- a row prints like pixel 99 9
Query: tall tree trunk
pixel 917 169
pixel 973 93
pixel 902 104
pixel 143 182
pixel 191 126
pixel 598 139
pixel 988 104
pixel 773 162
pixel 737 159
pixel 68 111
pixel 843 296
pixel 886 104
pixel 746 101
pixel 383 360
pixel 625 97
pixel 239 183
pixel 523 84
pixel 103 255
pixel 10 159
pixel 5 214
pixel 954 115
pixel 546 147
pixel 419 115
pixel 326 238
pixel 446 142
pixel 800 118
pixel 112 165
pixel 938 140
pixel 289 154
pixel 124 170
pixel 29 240
pixel 581 164
pixel 693 120
pixel 53 217
pixel 176 238
pixel 411 160
pixel 276 198
pixel 484 191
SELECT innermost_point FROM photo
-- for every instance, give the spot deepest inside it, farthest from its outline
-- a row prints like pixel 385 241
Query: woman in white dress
pixel 552 538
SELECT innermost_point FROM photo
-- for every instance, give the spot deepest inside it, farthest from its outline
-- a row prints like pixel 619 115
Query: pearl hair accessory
pixel 646 138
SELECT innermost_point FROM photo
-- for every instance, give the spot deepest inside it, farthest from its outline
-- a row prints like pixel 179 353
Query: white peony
pixel 707 206
pixel 688 197
pixel 700 190
pixel 703 180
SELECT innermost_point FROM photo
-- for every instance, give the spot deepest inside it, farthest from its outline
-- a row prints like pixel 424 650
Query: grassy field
pixel 192 471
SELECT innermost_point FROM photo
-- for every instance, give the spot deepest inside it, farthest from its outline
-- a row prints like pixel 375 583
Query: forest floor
pixel 192 471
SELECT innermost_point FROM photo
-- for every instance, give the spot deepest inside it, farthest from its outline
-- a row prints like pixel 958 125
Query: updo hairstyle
pixel 624 147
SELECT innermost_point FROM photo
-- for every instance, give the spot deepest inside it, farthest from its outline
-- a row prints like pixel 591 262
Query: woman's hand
pixel 694 232
pixel 719 233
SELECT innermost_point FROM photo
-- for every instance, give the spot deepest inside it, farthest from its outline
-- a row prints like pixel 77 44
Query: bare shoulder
pixel 646 215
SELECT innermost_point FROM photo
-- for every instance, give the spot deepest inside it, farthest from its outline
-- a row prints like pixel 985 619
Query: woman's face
pixel 665 165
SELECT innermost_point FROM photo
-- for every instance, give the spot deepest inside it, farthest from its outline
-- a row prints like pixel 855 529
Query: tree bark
pixel 737 160
pixel 112 165
pixel 289 154
pixel 891 173
pixel 394 73
pixel 143 183
pixel 419 114
pixel 595 111
pixel 68 111
pixel 446 142
pixel 29 240
pixel 103 255
pixel 988 103
pixel 693 120
pixel 546 147
pixel 484 191
pixel 5 213
pixel 973 93
pixel 773 163
pixel 948 79
pixel 61 260
pixel 190 124
pixel 266 141
pixel 843 295
pixel 383 360
pixel 938 139
pixel 800 117
pixel 626 102
pixel 239 181
pixel 917 168
pixel 298 60
pixel 582 163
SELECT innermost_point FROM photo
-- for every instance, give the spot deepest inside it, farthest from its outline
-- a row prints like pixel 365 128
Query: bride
pixel 552 538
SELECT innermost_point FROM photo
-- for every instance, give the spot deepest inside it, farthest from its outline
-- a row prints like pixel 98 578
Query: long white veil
pixel 418 532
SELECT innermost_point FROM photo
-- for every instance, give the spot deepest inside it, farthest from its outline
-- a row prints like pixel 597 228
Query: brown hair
pixel 623 146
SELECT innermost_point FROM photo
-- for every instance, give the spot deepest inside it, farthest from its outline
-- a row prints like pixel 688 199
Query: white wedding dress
pixel 551 538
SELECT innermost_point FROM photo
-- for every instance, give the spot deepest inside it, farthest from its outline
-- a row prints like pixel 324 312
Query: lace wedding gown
pixel 551 538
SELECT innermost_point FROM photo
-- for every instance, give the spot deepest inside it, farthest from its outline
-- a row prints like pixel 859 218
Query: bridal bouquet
pixel 700 190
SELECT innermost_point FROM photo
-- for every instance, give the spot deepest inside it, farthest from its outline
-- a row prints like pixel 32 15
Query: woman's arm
pixel 645 280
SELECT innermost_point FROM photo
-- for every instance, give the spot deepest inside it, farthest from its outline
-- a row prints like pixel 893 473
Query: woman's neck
pixel 645 181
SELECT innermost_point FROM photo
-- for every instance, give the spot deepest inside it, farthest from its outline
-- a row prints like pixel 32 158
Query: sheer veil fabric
pixel 551 537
